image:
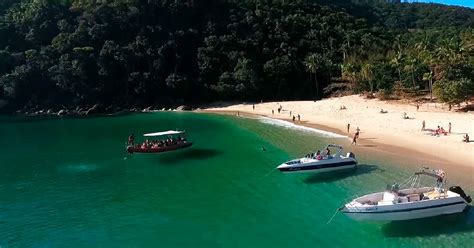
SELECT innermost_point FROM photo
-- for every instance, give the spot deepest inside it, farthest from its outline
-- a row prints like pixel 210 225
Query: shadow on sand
pixel 434 226
pixel 188 154
pixel 369 145
pixel 338 175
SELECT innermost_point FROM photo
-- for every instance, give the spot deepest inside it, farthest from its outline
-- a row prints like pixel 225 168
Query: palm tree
pixel 429 59
pixel 313 63
pixel 348 71
pixel 410 68
pixel 397 60
pixel 368 74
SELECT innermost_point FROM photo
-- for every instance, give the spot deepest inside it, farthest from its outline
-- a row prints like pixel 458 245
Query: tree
pixel 368 75
pixel 454 92
pixel 313 63
pixel 397 61
pixel 429 59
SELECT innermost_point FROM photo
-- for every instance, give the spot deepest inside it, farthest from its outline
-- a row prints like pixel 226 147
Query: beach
pixel 379 131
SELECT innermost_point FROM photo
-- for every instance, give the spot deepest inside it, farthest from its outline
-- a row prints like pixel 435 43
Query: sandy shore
pixel 388 130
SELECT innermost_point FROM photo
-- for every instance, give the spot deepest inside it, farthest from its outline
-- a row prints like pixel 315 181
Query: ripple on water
pixel 79 168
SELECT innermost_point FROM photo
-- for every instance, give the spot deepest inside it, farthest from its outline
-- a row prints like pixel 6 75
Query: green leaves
pixel 144 52
pixel 454 91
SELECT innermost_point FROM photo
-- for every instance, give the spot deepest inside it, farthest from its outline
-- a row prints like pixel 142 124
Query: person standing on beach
pixel 423 126
pixel 354 139
pixel 348 127
pixel 449 127
pixel 299 117
pixel 293 118
pixel 253 106
pixel 290 113
pixel 417 107
pixel 273 112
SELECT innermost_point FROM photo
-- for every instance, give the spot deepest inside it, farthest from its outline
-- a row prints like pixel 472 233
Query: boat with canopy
pixel 409 200
pixel 158 142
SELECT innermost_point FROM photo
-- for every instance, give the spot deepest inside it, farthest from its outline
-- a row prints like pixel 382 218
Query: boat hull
pixel 316 167
pixel 408 212
pixel 134 149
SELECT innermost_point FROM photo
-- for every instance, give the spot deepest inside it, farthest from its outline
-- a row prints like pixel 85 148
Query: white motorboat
pixel 321 163
pixel 412 202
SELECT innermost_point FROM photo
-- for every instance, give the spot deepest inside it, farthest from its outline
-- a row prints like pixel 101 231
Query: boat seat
pixel 413 197
pixel 433 195
pixel 403 199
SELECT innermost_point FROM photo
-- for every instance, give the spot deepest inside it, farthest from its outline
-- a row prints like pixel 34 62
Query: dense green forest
pixel 138 53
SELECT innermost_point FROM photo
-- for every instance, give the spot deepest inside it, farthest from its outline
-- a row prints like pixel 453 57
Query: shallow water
pixel 68 182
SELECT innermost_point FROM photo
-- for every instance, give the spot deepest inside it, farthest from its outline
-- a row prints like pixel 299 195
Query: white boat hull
pixel 406 211
pixel 305 165
pixel 320 170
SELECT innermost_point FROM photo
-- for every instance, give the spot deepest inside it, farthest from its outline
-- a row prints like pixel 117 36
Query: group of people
pixel 438 131
pixel 280 109
pixel 294 118
pixel 154 144
pixel 318 154
pixel 441 131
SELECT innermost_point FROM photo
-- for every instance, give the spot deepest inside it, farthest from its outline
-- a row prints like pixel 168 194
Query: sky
pixel 465 3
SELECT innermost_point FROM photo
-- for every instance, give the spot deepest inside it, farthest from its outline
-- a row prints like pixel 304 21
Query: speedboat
pixel 411 202
pixel 321 163
pixel 154 143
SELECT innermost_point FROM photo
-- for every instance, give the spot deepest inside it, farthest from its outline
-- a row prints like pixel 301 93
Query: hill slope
pixel 141 53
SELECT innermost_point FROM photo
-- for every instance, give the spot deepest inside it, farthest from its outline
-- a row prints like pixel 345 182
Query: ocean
pixel 68 182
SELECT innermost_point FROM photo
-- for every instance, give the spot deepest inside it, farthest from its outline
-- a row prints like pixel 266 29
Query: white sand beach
pixel 389 129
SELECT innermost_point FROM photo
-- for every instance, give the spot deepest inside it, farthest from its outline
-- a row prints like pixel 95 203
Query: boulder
pixel 62 112
pixel 96 109
pixel 183 108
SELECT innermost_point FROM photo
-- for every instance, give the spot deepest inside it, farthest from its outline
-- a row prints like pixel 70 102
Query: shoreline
pixel 451 153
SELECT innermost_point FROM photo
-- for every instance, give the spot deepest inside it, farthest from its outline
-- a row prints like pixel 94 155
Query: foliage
pixel 454 92
pixel 140 53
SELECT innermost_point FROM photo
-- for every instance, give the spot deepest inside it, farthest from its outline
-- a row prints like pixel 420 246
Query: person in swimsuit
pixel 131 139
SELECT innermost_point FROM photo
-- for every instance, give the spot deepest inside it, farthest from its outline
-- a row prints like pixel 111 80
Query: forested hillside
pixel 132 53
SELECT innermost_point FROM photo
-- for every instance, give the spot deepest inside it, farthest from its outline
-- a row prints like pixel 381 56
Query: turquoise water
pixel 69 183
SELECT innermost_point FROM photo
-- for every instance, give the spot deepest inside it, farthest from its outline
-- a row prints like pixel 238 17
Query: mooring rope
pixel 334 215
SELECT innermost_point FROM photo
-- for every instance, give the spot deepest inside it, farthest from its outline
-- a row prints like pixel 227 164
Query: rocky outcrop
pixel 62 112
pixel 183 108
pixel 95 110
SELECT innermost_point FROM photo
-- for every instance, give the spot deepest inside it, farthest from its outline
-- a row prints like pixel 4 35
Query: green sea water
pixel 69 183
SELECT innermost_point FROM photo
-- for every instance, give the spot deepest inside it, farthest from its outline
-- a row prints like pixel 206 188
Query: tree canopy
pixel 139 53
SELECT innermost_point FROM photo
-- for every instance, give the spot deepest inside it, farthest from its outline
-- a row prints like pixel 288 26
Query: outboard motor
pixel 457 189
